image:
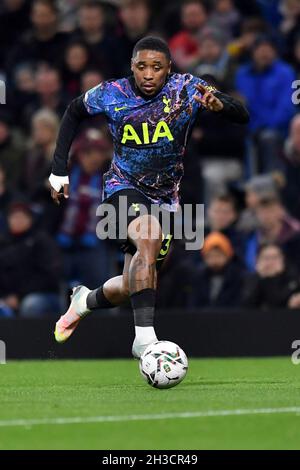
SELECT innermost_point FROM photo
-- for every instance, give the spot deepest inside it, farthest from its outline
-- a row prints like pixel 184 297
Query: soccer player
pixel 150 116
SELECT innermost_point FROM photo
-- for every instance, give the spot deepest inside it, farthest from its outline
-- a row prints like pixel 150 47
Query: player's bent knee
pixel 145 228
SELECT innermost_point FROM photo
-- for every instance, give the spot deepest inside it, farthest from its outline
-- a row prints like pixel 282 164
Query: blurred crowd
pixel 247 177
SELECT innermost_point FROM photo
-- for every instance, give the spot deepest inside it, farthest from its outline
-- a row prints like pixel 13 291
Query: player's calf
pixel 142 287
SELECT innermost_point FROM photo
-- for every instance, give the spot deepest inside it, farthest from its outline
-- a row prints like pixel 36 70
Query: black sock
pixel 97 299
pixel 143 305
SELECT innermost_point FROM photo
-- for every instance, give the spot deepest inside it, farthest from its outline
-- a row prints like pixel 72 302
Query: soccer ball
pixel 163 364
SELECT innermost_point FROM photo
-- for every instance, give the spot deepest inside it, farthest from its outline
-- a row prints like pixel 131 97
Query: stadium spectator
pixel 270 11
pixel 49 94
pixel 75 64
pixel 135 16
pixel 241 47
pixel 292 168
pixel 37 160
pixel 266 85
pixel 223 216
pixel 289 27
pixel 11 149
pixel 263 186
pixel 185 45
pixel 218 169
pixel 275 225
pixel 214 282
pixel 14 17
pixel 214 60
pixel 43 43
pixel 295 55
pixel 30 266
pixel 68 10
pixel 92 33
pixel 90 79
pixel 21 93
pixel 86 257
pixel 7 195
pixel 274 284
pixel 218 282
pixel 259 187
pixel 226 18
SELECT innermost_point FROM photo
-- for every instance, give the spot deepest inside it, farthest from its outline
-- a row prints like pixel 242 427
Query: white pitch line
pixel 148 417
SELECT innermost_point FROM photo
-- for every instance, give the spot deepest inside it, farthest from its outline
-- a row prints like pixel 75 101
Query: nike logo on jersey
pixel 119 109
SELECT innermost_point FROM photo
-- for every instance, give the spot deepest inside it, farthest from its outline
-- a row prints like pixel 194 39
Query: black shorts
pixel 133 200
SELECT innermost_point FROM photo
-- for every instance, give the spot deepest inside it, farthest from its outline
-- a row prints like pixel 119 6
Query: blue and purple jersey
pixel 149 135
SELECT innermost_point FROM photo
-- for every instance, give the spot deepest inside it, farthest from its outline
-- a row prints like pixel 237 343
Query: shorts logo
pixel 136 207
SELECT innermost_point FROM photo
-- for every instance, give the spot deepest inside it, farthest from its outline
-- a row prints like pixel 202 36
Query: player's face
pixel 150 70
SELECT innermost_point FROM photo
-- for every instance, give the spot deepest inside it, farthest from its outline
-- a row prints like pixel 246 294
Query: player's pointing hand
pixel 208 99
pixel 57 184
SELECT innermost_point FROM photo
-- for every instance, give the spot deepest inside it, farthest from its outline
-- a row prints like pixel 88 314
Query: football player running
pixel 150 116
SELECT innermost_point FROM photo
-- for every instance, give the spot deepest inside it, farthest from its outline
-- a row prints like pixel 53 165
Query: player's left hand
pixel 208 99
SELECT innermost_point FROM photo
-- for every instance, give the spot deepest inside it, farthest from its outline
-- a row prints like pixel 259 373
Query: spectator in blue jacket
pixel 266 84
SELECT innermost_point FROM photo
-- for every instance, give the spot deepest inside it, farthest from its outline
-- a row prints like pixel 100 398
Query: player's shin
pixel 143 305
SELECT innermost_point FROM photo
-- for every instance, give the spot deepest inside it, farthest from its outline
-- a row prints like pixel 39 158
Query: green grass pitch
pixel 104 390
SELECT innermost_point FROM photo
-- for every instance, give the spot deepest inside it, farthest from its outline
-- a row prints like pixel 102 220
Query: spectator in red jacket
pixel 185 45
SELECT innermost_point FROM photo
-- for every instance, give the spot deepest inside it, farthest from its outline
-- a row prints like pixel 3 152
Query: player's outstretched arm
pixel 218 102
pixel 74 115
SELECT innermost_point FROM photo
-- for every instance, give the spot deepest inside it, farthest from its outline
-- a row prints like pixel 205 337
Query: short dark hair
pixel 201 3
pixel 152 43
pixel 91 4
pixel 52 4
pixel 227 199
pixel 265 245
pixel 265 39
